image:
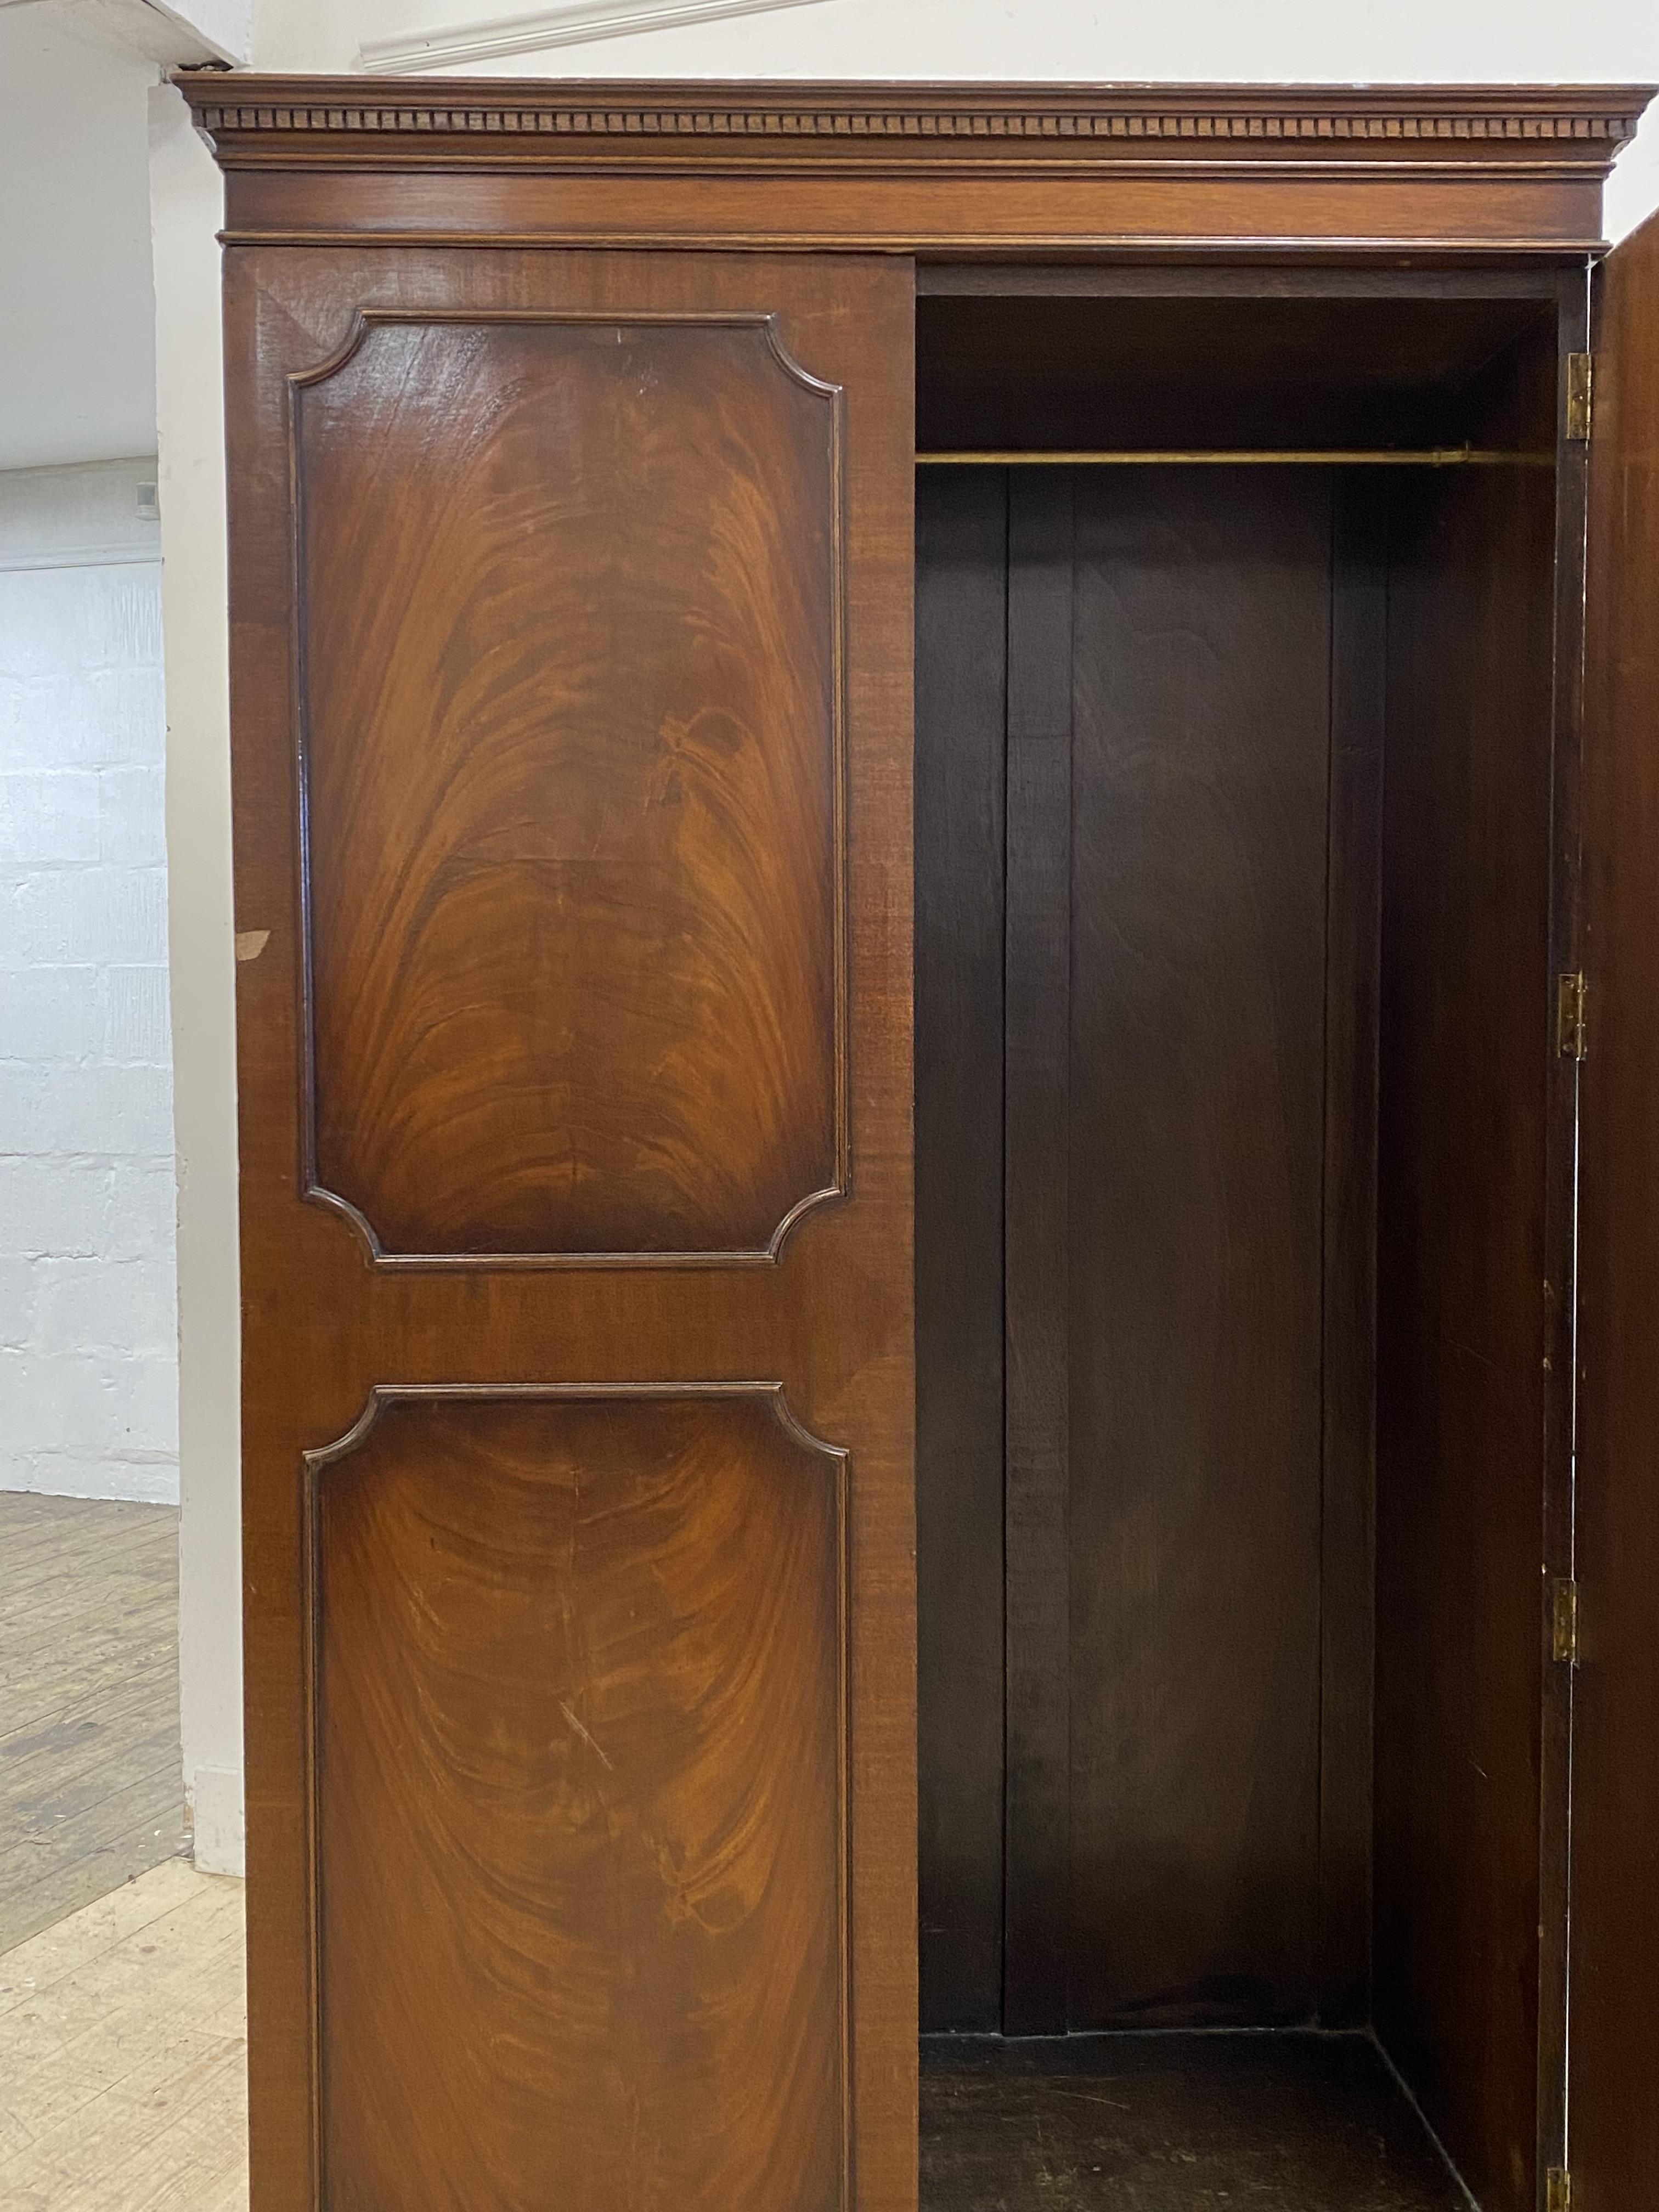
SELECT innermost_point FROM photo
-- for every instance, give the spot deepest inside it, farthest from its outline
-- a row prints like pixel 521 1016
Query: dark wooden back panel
pixel 1352 980
pixel 1614 2111
pixel 1037 1843
pixel 580 1762
pixel 1180 1662
pixel 1466 1054
pixel 1200 795
pixel 961 579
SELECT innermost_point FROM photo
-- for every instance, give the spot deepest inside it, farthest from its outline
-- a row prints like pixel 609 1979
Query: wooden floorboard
pixel 1173 2122
pixel 91 1787
pixel 123 2053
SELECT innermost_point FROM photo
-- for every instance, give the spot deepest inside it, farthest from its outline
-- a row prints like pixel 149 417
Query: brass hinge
pixel 1557 2191
pixel 1563 1621
pixel 1571 993
pixel 1581 387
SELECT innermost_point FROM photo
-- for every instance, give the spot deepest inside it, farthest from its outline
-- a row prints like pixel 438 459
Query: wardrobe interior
pixel 1237 790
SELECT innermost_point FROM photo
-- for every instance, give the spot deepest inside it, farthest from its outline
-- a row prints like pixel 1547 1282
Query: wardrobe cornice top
pixel 268 119
pixel 1151 172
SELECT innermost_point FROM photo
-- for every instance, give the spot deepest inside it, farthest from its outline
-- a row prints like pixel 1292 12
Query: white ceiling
pixel 78 315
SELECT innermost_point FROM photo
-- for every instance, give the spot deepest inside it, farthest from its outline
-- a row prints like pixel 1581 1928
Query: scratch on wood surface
pixel 586 1737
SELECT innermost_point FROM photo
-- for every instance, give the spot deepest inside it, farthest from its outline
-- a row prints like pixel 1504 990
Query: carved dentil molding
pixel 1593 119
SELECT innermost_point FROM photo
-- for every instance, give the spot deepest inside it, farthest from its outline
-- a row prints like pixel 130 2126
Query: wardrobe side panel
pixel 1615 2112
pixel 1467 1048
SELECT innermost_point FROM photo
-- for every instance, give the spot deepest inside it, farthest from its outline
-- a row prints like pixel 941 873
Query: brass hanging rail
pixel 1392 456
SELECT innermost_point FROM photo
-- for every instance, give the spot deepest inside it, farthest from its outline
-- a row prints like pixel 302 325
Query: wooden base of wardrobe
pixel 1173 2123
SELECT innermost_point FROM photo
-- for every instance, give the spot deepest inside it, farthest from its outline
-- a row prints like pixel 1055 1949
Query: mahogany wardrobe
pixel 949 1145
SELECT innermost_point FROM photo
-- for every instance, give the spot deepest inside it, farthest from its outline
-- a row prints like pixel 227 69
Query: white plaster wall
pixel 186 207
pixel 1201 41
pixel 76 381
pixel 89 1327
pixel 1337 41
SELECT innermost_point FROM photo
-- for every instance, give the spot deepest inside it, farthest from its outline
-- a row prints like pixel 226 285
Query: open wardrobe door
pixel 571 610
pixel 1613 2036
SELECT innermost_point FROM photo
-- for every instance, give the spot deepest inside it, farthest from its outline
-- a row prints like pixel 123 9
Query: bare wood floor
pixel 123 2054
pixel 123 2017
pixel 91 1789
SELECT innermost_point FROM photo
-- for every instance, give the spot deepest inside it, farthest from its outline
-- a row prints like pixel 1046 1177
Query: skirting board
pixel 81 557
pixel 79 514
pixel 214 1797
pixel 572 24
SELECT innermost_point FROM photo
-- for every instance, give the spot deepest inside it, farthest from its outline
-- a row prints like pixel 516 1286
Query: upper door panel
pixel 569 595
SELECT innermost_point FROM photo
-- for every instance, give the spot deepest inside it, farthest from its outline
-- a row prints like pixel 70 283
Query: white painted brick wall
pixel 88 1307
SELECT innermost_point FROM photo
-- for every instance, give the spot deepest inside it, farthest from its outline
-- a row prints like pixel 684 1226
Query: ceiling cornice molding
pixel 576 22
pixel 267 118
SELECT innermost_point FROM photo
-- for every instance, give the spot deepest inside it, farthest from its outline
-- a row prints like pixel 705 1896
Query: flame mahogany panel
pixel 569 590
pixel 578 1917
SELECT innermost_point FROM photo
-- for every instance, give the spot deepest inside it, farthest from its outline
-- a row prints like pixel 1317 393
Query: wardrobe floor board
pixel 1217 2122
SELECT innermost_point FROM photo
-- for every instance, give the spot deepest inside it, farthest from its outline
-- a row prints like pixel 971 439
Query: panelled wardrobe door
pixel 1613 2103
pixel 571 611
